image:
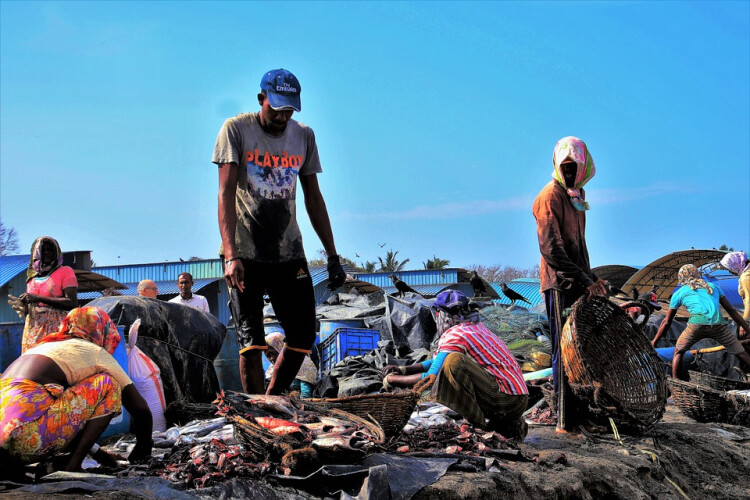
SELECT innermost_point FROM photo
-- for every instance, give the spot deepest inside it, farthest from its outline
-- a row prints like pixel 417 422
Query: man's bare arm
pixel 234 272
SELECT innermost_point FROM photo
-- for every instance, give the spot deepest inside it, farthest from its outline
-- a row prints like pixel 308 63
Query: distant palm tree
pixel 436 263
pixel 390 263
pixel 368 267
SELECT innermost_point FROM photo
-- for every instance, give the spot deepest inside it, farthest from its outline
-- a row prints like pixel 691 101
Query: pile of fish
pixel 436 429
pixel 453 438
pixel 257 435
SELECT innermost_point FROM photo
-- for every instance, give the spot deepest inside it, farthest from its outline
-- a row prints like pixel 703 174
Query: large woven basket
pixel 611 366
pixel 390 410
pixel 718 383
pixel 700 402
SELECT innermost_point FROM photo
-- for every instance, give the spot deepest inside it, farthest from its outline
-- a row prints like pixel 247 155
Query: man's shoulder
pixel 301 128
pixel 241 120
pixel 175 299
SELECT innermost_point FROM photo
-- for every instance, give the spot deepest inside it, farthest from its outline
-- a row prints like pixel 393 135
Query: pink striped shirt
pixel 488 351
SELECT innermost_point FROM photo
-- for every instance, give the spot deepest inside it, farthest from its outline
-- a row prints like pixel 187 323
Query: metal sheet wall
pixel 418 277
pixel 16 287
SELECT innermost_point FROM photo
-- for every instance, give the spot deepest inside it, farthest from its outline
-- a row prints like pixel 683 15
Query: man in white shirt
pixel 187 297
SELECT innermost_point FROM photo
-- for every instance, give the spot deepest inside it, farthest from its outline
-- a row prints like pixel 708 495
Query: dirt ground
pixel 678 459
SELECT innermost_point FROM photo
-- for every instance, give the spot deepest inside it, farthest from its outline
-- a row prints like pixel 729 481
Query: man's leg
pixel 455 388
pixel 293 298
pixel 251 372
pixel 247 312
pixel 689 336
pixel 724 335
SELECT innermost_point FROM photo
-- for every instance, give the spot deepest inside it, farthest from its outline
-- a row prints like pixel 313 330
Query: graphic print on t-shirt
pixel 272 176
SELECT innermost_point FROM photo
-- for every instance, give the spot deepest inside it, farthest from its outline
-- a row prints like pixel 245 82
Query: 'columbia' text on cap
pixel 282 89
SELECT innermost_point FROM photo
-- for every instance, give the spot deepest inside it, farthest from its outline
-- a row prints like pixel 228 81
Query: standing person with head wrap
pixel 560 213
pixel 738 264
pixel 477 376
pixel 702 300
pixel 51 291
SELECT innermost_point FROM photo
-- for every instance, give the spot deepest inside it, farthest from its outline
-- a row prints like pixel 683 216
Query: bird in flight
pixel 478 285
pixel 512 294
pixel 381 245
pixel 402 287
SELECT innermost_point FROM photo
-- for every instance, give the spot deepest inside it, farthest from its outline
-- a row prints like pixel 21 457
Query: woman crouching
pixel 60 395
pixel 477 375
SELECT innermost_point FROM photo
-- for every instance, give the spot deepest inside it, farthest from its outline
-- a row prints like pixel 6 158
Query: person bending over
pixel 477 376
pixel 703 301
pixel 59 396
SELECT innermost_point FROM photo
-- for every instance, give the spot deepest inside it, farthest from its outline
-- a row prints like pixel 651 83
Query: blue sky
pixel 435 122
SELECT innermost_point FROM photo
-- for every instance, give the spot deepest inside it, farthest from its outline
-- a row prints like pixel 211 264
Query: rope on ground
pixel 652 455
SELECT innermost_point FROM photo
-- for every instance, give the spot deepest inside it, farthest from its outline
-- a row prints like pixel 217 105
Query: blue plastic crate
pixel 346 342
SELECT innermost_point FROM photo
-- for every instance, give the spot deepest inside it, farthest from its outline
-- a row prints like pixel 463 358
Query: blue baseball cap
pixel 450 299
pixel 282 89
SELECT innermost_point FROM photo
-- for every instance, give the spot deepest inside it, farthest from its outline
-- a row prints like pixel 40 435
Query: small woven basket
pixel 390 410
pixel 741 408
pixel 611 366
pixel 699 402
pixel 718 383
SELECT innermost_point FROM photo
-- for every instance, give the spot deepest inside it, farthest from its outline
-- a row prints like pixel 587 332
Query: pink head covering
pixel 87 323
pixel 573 148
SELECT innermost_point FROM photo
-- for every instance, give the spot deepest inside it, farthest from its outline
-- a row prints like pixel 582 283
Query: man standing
pixel 560 213
pixel 260 155
pixel 187 297
pixel 147 288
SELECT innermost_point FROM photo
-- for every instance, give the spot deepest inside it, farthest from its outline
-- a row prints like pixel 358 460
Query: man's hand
pixel 387 370
pixel 234 274
pixel 742 333
pixel 336 274
pixel 598 288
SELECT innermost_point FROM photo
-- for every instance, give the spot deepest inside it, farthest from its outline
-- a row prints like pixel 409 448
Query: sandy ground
pixel 678 459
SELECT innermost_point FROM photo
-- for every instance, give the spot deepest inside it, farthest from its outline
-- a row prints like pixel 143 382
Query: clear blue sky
pixel 435 122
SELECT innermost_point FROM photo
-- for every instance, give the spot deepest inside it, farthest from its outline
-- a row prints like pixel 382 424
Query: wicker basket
pixel 718 383
pixel 611 366
pixel 700 402
pixel 390 410
pixel 740 406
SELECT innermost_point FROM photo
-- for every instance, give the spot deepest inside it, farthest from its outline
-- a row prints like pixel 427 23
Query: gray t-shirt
pixel 267 229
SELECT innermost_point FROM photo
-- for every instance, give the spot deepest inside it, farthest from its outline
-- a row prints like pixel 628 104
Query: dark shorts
pixel 290 288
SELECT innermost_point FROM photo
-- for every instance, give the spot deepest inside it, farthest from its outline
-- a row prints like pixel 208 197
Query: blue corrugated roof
pixel 528 287
pixel 413 278
pixel 11 266
pixel 165 288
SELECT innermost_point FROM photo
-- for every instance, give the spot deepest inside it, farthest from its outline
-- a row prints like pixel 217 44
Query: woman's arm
pixel 68 301
pixel 735 315
pixel 665 324
pixel 142 423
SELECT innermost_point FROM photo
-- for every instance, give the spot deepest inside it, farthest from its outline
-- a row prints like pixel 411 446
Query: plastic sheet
pixel 182 341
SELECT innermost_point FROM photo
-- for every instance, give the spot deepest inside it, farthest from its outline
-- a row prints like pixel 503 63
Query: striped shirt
pixel 488 351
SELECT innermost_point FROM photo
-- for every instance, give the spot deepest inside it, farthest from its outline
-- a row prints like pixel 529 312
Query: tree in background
pixel 8 240
pixel 497 273
pixel 368 267
pixel 390 263
pixel 322 261
pixel 725 248
pixel 436 263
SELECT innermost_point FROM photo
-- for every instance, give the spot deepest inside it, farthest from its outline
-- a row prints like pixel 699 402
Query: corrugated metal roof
pixel 11 266
pixel 165 288
pixel 412 278
pixel 528 287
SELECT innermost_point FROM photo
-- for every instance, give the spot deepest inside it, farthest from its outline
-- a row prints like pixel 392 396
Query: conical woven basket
pixel 611 366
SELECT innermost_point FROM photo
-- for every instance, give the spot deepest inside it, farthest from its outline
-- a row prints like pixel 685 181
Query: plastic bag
pixel 145 376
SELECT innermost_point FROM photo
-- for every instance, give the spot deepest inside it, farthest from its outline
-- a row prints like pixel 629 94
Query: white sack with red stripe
pixel 147 379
